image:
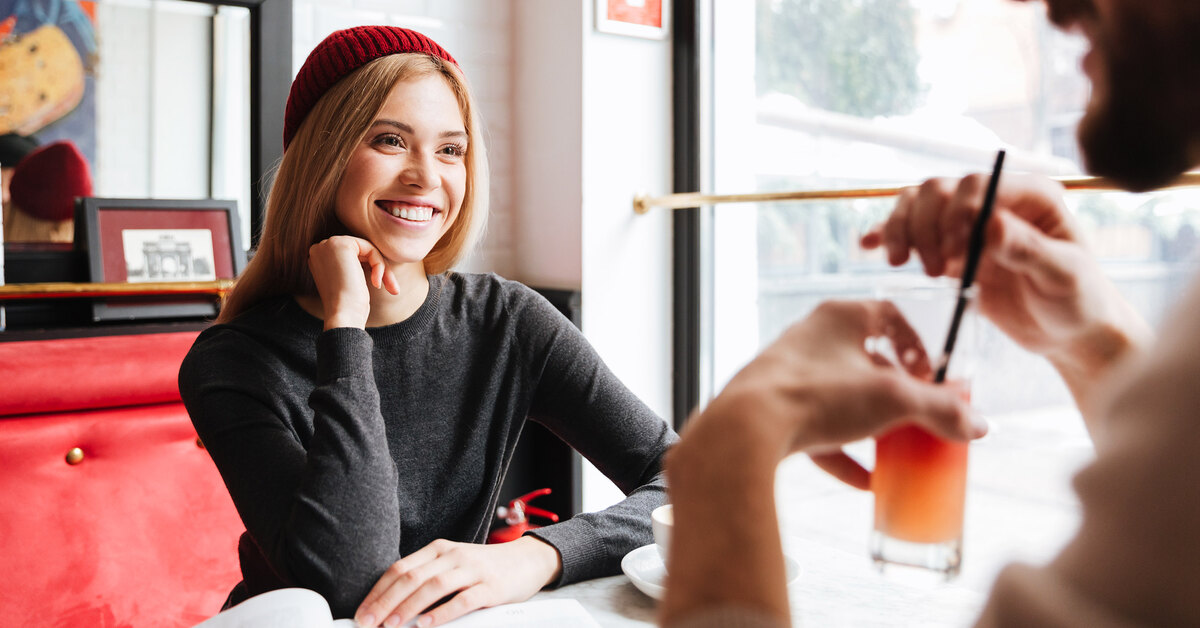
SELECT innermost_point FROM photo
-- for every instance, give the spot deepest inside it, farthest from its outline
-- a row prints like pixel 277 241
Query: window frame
pixel 686 223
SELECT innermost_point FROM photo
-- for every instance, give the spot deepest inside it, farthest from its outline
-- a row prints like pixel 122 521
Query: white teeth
pixel 415 214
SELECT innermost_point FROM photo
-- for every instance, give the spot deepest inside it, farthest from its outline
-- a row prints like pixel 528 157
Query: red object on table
pixel 517 514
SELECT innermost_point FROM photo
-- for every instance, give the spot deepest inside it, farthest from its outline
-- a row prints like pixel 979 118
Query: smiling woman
pixel 330 138
pixel 404 184
pixel 362 401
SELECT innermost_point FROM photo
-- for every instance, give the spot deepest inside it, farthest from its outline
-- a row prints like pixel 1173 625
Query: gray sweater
pixel 346 449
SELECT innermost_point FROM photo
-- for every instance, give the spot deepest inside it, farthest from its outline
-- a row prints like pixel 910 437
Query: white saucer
pixel 646 570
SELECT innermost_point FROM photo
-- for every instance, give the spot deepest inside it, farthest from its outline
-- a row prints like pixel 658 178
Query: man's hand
pixel 818 387
pixel 814 389
pixel 1037 280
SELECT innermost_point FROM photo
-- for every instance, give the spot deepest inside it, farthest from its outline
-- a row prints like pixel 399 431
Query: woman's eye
pixel 389 140
pixel 454 150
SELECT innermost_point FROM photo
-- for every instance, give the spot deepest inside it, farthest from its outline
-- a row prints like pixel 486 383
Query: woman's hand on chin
pixel 477 576
pixel 341 267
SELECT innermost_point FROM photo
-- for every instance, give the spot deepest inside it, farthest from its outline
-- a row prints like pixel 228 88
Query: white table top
pixel 833 589
pixel 1019 507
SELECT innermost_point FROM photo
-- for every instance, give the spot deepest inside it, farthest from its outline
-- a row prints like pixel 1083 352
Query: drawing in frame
pixel 148 240
pixel 638 18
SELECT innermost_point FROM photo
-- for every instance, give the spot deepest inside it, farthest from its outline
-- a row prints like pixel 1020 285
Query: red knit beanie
pixel 46 182
pixel 340 54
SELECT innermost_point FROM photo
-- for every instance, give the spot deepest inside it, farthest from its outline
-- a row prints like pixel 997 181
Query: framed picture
pixel 639 18
pixel 145 240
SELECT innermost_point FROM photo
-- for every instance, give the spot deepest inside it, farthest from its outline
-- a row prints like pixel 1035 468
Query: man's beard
pixel 1138 130
pixel 1134 141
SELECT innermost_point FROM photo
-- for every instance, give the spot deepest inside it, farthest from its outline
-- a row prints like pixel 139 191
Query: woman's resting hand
pixel 478 576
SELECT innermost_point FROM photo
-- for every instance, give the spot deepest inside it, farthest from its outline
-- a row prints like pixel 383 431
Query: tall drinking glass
pixel 920 480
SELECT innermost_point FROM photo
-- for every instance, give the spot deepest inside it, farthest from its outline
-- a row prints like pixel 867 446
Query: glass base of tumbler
pixel 944 558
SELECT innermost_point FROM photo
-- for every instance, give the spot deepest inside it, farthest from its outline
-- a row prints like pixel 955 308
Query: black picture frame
pixel 179 240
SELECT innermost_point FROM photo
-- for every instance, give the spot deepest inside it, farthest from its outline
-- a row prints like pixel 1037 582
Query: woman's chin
pixel 404 258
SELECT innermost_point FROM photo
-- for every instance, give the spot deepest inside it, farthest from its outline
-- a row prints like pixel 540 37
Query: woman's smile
pixel 409 211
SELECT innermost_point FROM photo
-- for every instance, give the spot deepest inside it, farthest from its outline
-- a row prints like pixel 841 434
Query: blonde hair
pixel 300 206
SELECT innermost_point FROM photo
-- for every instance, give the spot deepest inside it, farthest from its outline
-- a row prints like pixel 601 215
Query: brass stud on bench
pixel 75 456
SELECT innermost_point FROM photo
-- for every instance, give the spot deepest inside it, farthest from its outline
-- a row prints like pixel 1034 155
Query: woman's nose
pixel 419 171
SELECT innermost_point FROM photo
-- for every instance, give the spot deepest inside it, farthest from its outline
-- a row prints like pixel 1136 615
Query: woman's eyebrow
pixel 408 129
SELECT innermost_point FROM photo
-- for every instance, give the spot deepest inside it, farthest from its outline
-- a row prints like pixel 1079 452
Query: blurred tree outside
pixel 856 57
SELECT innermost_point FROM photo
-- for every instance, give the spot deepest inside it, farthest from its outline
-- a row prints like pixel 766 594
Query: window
pixel 841 94
pixel 829 94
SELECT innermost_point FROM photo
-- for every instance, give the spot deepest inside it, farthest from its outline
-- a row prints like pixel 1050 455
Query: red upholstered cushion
pixel 140 533
pixel 85 373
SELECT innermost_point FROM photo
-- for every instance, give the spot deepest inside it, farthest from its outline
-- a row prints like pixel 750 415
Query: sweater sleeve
pixel 1135 559
pixel 324 513
pixel 579 399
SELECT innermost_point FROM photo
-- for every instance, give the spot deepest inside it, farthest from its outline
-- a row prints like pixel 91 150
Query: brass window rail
pixel 17 291
pixel 687 200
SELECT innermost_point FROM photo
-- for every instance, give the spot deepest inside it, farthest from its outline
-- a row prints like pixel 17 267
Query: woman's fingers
pixel 365 252
pixel 462 576
pixel 377 270
pixel 390 283
pixel 399 579
pixel 371 256
pixel 452 581
pixel 468 599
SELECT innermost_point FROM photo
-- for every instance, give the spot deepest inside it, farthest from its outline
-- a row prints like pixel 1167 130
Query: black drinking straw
pixel 974 250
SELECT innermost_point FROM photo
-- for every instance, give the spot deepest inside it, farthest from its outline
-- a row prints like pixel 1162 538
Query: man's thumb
pixel 941 409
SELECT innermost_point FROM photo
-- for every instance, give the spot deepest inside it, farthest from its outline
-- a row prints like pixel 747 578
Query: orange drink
pixel 919 482
pixel 920 485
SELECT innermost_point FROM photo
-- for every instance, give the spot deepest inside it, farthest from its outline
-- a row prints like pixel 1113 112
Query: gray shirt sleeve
pixel 323 513
pixel 582 402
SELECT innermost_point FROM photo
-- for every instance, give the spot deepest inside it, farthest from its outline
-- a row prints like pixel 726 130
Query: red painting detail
pixel 649 14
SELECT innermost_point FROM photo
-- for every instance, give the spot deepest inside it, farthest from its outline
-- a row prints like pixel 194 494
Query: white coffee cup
pixel 662 519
